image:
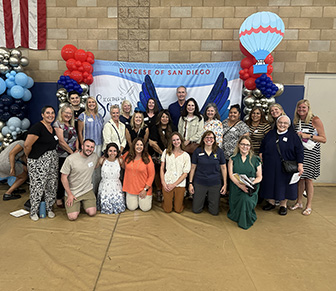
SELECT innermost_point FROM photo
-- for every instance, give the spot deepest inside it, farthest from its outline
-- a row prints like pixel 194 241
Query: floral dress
pixel 110 196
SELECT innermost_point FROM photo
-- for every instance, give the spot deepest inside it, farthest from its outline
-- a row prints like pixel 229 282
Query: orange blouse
pixel 137 175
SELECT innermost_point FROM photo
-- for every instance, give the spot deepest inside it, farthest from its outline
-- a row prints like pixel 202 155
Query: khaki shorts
pixel 88 200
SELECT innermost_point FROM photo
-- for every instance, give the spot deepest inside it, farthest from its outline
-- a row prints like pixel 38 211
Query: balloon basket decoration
pixel 77 77
pixel 14 95
pixel 259 35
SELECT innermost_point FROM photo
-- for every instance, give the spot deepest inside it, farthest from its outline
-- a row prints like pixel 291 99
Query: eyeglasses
pixel 209 137
pixel 245 145
pixel 283 123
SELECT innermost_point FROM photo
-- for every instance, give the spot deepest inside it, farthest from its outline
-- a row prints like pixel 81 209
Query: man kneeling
pixel 76 178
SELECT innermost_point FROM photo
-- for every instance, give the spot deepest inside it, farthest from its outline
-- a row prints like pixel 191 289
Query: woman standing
pixel 242 202
pixel 114 130
pixel 212 122
pixel 233 129
pixel 311 131
pixel 191 125
pixel 90 125
pixel 125 114
pixel 207 169
pixel 110 196
pixel 152 109
pixel 137 128
pixel 274 111
pixel 177 164
pixel 40 148
pixel 275 184
pixel 67 143
pixel 159 138
pixel 139 176
pixel 258 126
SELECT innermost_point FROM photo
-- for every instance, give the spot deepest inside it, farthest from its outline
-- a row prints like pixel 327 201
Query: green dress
pixel 241 204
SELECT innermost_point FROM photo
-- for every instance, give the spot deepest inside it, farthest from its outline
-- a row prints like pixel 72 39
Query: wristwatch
pixel 311 136
pixel 145 189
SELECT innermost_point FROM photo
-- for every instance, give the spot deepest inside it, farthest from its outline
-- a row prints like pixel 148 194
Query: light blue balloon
pixel 12 78
pixel 9 93
pixel 30 82
pixel 17 92
pixel 12 128
pixel 18 129
pixel 25 124
pixel 5 130
pixel 21 79
pixel 9 83
pixel 2 86
pixel 27 95
pixel 14 122
pixel 13 73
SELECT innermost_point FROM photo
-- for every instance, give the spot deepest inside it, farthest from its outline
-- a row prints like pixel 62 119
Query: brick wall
pixel 182 31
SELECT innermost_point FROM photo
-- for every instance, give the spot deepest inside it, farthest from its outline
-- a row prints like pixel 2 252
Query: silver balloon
pixel 61 92
pixel 4 69
pixel 16 53
pixel 85 88
pixel 257 104
pixel 246 118
pixel 281 89
pixel 18 69
pixel 264 106
pixel 257 93
pixel 3 50
pixel 24 62
pixel 5 62
pixel 1 137
pixel 5 144
pixel 270 101
pixel 247 92
pixel 62 104
pixel 14 61
pixel 84 98
pixel 62 99
pixel 249 101
pixel 10 140
pixel 82 105
pixel 1 58
pixel 8 136
pixel 247 110
pixel 2 124
pixel 263 100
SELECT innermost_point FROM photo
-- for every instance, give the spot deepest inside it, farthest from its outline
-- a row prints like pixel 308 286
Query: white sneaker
pixel 51 214
pixel 34 217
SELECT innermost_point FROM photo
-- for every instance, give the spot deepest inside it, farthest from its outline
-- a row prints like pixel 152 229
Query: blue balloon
pixel 2 86
pixel 27 95
pixel 13 73
pixel 5 116
pixel 20 115
pixel 9 83
pixel 30 82
pixel 9 92
pixel 17 91
pixel 6 100
pixel 21 79
pixel 5 130
pixel 14 121
pixel 15 109
pixel 25 124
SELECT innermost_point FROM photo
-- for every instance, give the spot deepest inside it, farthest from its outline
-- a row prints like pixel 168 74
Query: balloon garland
pixel 14 95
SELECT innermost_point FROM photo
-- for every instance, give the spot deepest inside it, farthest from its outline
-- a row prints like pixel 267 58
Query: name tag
pixel 146 118
pixel 201 154
pixel 90 164
pixel 285 139
pixel 256 131
pixel 90 119
pixel 55 137
pixel 233 129
pixel 305 130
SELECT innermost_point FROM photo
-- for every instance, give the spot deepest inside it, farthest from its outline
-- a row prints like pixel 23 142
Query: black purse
pixel 287 166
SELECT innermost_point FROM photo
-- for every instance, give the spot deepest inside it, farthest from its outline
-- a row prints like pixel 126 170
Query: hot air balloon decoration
pixel 260 33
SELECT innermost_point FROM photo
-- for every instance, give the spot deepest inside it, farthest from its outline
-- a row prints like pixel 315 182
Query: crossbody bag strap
pixel 230 128
pixel 116 132
pixel 278 148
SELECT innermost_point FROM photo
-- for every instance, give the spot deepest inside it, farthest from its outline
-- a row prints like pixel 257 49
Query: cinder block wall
pixel 183 31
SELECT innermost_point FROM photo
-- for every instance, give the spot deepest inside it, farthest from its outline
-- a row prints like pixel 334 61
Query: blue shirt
pixel 208 172
pixel 93 127
pixel 175 111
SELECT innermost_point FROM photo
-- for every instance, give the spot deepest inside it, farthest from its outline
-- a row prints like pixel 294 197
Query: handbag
pixel 287 166
pixel 192 146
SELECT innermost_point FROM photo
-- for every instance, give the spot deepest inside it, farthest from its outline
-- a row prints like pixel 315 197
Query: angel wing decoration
pixel 148 91
pixel 219 95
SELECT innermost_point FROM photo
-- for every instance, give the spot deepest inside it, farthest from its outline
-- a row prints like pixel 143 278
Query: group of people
pixel 176 151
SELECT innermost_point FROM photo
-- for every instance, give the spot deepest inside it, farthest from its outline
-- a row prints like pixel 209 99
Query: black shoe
pixel 19 191
pixel 11 196
pixel 283 210
pixel 268 206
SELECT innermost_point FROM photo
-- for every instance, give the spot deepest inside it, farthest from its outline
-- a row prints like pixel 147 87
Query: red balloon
pixel 269 69
pixel 85 75
pixel 247 62
pixel 250 83
pixel 68 52
pixel 67 73
pixel 87 67
pixel 244 51
pixel 80 55
pixel 269 59
pixel 81 69
pixel 77 76
pixel 253 75
pixel 90 55
pixel 78 63
pixel 89 80
pixel 71 64
pixel 90 60
pixel 246 76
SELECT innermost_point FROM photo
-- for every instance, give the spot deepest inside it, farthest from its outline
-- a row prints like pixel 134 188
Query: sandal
pixel 307 211
pixel 296 206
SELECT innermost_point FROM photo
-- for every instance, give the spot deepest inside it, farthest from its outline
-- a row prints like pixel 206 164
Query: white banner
pixel 117 81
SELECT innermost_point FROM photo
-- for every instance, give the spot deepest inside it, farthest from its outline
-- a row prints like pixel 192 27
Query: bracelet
pixel 190 182
pixel 311 137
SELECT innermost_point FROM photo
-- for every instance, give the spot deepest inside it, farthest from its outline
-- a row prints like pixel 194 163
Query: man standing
pixel 75 100
pixel 76 178
pixel 176 108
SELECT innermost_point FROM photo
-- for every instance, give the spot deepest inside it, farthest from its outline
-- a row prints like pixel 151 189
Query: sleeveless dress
pixel 110 196
pixel 312 158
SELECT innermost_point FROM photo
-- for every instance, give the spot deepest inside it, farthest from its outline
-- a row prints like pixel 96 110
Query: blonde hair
pixel 142 125
pixel 269 116
pixel 309 116
pixel 87 112
pixel 115 106
pixel 237 150
pixel 122 105
pixel 62 109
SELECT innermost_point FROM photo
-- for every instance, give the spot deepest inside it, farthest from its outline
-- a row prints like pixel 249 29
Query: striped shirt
pixel 93 127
